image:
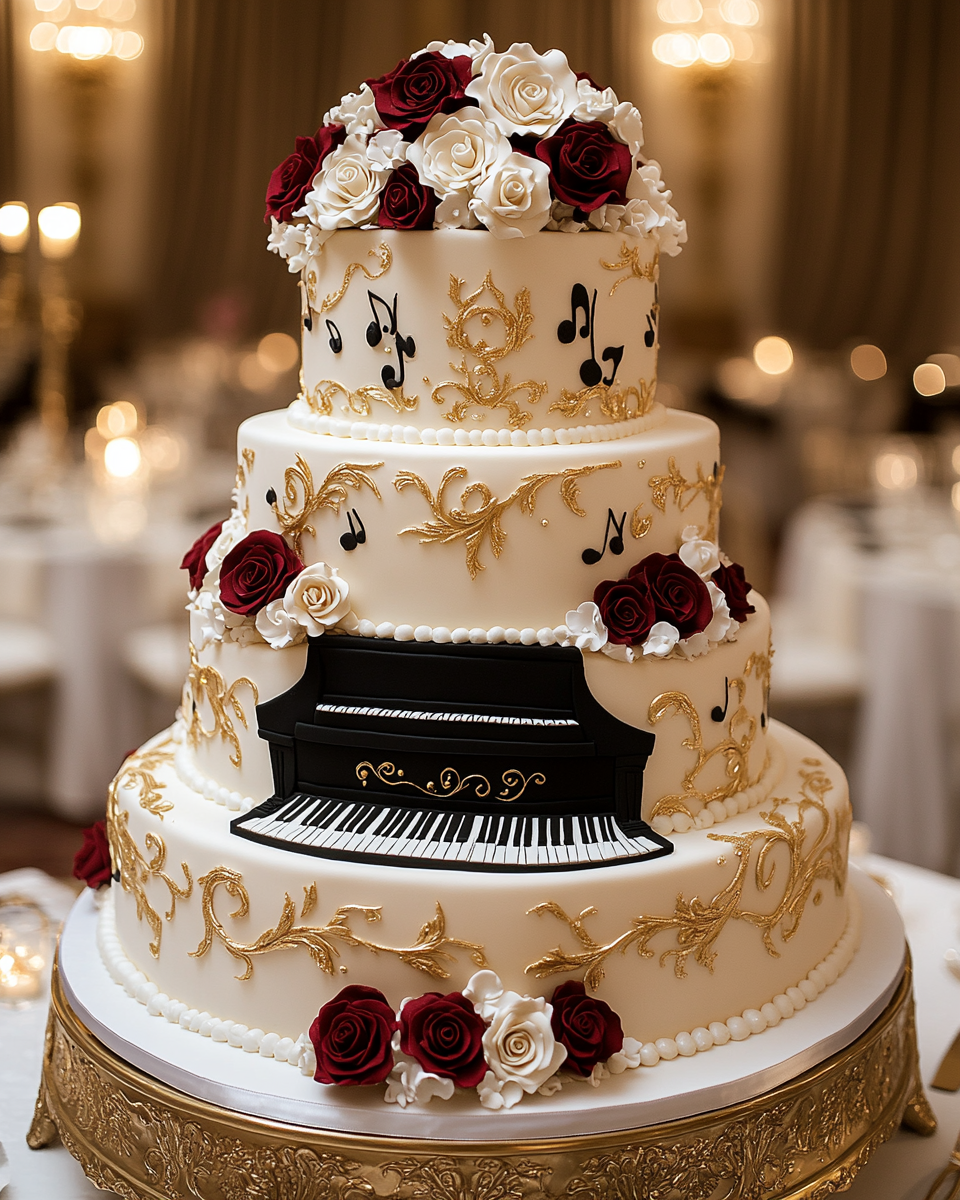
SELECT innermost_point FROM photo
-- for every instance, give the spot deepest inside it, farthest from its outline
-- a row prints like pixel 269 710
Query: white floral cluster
pixel 466 158
pixel 519 1048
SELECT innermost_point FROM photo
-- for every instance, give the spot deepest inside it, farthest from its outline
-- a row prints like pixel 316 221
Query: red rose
pixel 588 166
pixel 351 1037
pixel 291 181
pixel 405 203
pixel 730 580
pixel 195 559
pixel 445 1035
pixel 417 88
pixel 91 863
pixel 256 571
pixel 589 1028
pixel 626 609
pixel 679 595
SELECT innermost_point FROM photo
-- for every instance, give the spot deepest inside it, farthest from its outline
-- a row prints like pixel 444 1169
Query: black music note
pixel 591 373
pixel 590 556
pixel 392 379
pixel 271 496
pixel 719 714
pixel 405 346
pixel 336 339
pixel 650 336
pixel 305 312
pixel 375 330
pixel 355 537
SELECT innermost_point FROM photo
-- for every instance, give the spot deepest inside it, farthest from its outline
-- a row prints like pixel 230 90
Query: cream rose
pixel 234 530
pixel 520 1050
pixel 722 625
pixel 649 210
pixel 296 244
pixel 207 622
pixel 277 627
pixel 525 92
pixel 474 49
pixel 346 192
pixel 356 112
pixel 697 553
pixel 623 120
pixel 318 598
pixel 455 153
pixel 514 200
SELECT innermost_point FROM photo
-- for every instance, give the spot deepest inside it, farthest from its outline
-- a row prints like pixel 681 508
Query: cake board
pixel 807 1136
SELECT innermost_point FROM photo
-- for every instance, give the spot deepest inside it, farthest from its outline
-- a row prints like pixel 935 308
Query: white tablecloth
pixel 901 1170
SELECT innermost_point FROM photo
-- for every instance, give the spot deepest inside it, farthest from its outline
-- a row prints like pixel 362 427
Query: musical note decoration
pixel 305 314
pixel 335 337
pixel 385 322
pixel 590 556
pixel 653 318
pixel 717 713
pixel 302 497
pixel 591 372
pixel 355 536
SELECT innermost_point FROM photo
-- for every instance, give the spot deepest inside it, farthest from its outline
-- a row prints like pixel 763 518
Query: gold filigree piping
pixel 515 783
pixel 138 771
pixel 640 525
pixel 428 953
pixel 630 261
pixel 206 683
pixel 309 900
pixel 614 400
pixel 321 397
pixel 482 385
pixel 697 925
pixel 684 493
pixel 382 253
pixel 473 526
pixel 301 499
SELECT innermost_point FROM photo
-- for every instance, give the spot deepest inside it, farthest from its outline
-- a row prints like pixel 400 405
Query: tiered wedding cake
pixel 476 721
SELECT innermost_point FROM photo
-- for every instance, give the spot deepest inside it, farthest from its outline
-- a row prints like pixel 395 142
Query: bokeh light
pixel 868 362
pixel 715 49
pixel 84 42
pixel 117 420
pixel 121 457
pixel 278 352
pixel 929 379
pixel 14 226
pixel 950 365
pixel 739 12
pixel 676 49
pixel 773 355
pixel 679 12
pixel 43 36
pixel 896 472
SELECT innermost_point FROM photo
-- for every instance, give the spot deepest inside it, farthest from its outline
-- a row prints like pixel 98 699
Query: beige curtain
pixel 240 79
pixel 871 202
pixel 8 141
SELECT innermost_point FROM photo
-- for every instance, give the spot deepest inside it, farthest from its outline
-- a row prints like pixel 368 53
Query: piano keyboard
pixel 456 839
pixel 404 714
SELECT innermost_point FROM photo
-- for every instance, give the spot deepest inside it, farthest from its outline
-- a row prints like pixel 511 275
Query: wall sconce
pixel 14 226
pixel 59 230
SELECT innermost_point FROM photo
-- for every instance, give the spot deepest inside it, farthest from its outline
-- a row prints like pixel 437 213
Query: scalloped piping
pixel 718 811
pixel 300 1053
pixel 300 416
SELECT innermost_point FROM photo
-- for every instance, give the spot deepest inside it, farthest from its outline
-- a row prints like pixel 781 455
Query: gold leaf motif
pixel 697 925
pixel 206 683
pixel 138 771
pixel 481 385
pixel 321 398
pixel 684 493
pixel 475 525
pixel 640 526
pixel 514 782
pixel 135 870
pixel 630 261
pixel 309 900
pixel 615 401
pixel 301 499
pixel 384 256
pixel 428 954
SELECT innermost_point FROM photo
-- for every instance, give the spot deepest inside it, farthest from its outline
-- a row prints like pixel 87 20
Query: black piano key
pixel 556 837
pixel 466 825
pixel 404 816
pixel 586 830
pixel 517 831
pixel 342 820
pixel 364 825
pixel 324 809
pixel 506 827
pixel 296 808
pixel 567 822
pixel 483 834
pixel 426 819
pixel 450 830
pixel 358 816
pixel 543 831
pixel 528 830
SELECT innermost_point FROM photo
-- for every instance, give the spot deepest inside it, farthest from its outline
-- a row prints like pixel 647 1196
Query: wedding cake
pixel 473 792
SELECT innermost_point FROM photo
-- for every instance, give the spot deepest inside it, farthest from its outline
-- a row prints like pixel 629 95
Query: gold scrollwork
pixel 630 260
pixel 615 401
pixel 515 783
pixel 138 771
pixel 482 385
pixel 321 397
pixel 245 466
pixel 697 925
pixel 685 492
pixel 382 253
pixel 309 900
pixel 301 499
pixel 136 870
pixel 206 683
pixel 640 525
pixel 428 953
pixel 474 525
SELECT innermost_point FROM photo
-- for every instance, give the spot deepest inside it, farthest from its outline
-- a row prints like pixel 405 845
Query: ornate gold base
pixel 807 1139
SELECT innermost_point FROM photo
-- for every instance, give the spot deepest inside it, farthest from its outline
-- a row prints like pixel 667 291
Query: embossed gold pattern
pixel 615 401
pixel 805 1140
pixel 515 783
pixel 428 953
pixel 138 771
pixel 640 525
pixel 481 385
pixel 309 900
pixel 816 848
pixel 136 870
pixel 320 398
pixel 475 525
pixel 631 261
pixel 205 683
pixel 684 493
pixel 384 256
pixel 301 498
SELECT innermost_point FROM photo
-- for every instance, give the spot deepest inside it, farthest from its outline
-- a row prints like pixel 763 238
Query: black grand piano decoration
pixel 470 757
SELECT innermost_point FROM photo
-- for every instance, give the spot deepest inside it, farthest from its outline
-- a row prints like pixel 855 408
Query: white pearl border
pixel 300 1053
pixel 301 416
pixel 718 811
pixel 193 778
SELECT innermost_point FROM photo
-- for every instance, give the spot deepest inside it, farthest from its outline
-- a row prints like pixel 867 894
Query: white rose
pixel 483 989
pixel 587 627
pixel 296 244
pixel 409 1083
pixel 661 639
pixel 519 1048
pixel 318 598
pixel 721 624
pixel 607 218
pixel 623 120
pixel 207 622
pixel 649 209
pixel 346 192
pixel 277 627
pixel 619 653
pixel 456 153
pixel 453 212
pixel 514 199
pixel 234 530
pixel 525 92
pixel 698 554
pixel 387 149
pixel 475 49
pixel 356 112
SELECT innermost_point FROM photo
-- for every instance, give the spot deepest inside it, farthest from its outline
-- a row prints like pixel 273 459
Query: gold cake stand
pixel 808 1138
